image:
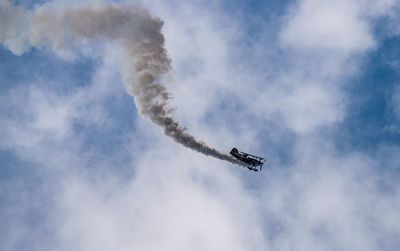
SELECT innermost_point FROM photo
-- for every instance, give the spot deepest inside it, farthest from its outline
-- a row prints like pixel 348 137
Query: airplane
pixel 252 162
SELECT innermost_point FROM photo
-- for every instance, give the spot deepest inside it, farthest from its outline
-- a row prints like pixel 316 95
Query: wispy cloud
pixel 104 183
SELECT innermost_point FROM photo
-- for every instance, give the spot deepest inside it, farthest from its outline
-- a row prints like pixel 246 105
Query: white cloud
pixel 165 207
pixel 177 199
pixel 334 25
pixel 331 201
pixel 309 107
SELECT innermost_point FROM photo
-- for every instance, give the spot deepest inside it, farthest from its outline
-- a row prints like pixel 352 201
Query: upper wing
pixel 250 155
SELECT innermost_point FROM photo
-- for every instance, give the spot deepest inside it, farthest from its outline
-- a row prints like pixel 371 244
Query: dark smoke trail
pixel 138 32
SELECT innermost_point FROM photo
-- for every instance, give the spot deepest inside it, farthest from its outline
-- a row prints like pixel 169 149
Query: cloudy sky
pixel 312 85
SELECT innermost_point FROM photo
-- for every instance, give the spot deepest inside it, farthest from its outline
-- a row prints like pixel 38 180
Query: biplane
pixel 252 162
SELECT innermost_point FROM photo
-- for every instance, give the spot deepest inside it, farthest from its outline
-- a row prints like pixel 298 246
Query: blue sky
pixel 311 85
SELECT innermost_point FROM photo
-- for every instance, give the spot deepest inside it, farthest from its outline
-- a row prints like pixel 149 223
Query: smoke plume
pixel 132 26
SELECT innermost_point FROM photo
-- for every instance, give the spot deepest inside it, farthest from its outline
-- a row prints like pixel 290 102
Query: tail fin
pixel 234 151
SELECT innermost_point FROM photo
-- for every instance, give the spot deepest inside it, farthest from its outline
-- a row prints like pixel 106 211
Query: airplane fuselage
pixel 248 159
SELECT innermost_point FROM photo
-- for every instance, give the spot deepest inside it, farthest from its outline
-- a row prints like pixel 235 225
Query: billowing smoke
pixel 132 26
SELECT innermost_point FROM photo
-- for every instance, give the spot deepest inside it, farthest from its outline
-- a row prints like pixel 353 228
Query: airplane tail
pixel 234 151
